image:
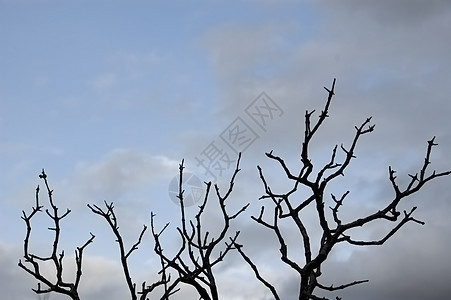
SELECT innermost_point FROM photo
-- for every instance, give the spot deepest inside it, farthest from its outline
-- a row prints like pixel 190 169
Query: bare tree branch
pixel 340 287
pixel 256 272
pixel 285 208
pixel 109 215
pixel 195 259
pixel 59 286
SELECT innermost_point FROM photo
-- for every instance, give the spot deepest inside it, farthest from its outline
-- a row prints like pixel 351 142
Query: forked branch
pixel 59 285
pixel 198 253
pixel 287 208
pixel 110 216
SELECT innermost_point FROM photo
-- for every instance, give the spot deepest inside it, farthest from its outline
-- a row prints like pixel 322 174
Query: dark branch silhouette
pixel 59 286
pixel 195 259
pixel 109 215
pixel 333 231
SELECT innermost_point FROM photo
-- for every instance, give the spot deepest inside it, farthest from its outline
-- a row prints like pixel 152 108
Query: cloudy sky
pixel 109 96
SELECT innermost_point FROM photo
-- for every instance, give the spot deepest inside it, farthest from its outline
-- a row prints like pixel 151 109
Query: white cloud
pixel 122 170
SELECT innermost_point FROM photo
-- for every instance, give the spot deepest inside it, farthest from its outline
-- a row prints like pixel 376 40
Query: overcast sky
pixel 109 97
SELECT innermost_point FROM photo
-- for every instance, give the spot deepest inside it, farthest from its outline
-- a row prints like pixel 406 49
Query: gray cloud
pixel 391 61
pixel 121 170
pixel 391 73
pixel 402 13
pixel 17 285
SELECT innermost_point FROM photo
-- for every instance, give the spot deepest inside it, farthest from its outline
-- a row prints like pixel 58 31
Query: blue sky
pixel 109 96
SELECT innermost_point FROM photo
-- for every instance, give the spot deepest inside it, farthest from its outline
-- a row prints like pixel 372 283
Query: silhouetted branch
pixel 287 208
pixel 340 287
pixel 60 286
pixel 194 261
pixel 109 215
pixel 256 272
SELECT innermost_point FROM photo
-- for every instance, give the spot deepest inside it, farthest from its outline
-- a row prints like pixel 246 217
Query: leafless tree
pixel 334 231
pixel 196 257
pixel 57 285
pixel 200 250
